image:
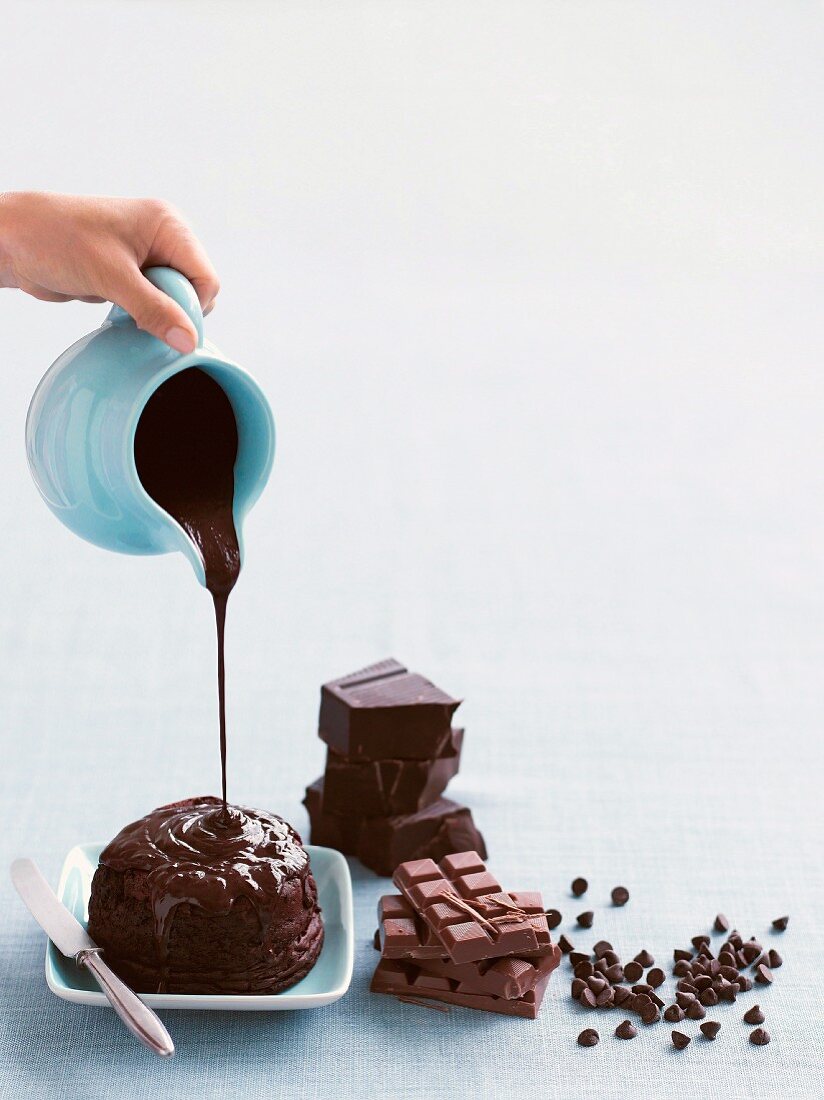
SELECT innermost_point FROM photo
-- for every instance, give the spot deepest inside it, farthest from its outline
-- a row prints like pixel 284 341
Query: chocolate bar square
pixel 385 712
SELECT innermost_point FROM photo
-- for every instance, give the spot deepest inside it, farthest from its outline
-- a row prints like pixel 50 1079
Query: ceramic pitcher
pixel 81 425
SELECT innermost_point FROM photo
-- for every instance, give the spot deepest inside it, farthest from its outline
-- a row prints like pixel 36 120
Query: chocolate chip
pixel 699 941
pixel 584 970
pixel 611 958
pixel 585 919
pixel 553 918
pixel 596 984
pixel 633 971
pixel 642 987
pixel 744 983
pixel 680 955
pixel 780 923
pixel 576 957
pixel 684 999
pixel 565 945
pixel 577 988
pixel 588 1038
pixel 656 1000
pixel 587 998
pixel 751 951
pixel 650 1015
pixel 626 1030
pixel 675 1014
pixel 711 1028
pixel 721 923
pixel 615 973
pixel 600 949
pixel 620 895
pixel 622 994
pixel 656 977
pixel 606 998
pixel 759 1037
pixel 601 968
pixel 680 1040
pixel 579 886
pixel 763 975
pixel 754 1015
pixel 645 959
pixel 696 1011
pixel 682 968
pixel 774 959
pixel 709 997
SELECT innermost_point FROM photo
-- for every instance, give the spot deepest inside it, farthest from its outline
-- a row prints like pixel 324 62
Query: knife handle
pixel 138 1017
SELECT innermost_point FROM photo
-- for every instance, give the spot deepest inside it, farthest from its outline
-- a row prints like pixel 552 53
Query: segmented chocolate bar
pixel 406 980
pixel 467 909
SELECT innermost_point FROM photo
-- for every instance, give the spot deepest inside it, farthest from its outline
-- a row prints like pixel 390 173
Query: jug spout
pixel 82 422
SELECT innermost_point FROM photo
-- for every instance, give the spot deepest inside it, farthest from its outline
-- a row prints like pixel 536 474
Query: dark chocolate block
pixel 385 712
pixel 385 788
pixel 381 843
pixel 467 909
pixel 403 935
pixel 406 980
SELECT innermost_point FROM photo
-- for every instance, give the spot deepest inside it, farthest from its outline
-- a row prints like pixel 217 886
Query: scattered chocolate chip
pixel 577 988
pixel 710 1029
pixel 615 973
pixel 583 970
pixel 565 945
pixel 606 998
pixel 656 1000
pixel 576 957
pixel 656 977
pixel 588 1038
pixel 750 952
pixel 696 1011
pixel 759 1037
pixel 553 918
pixel 744 983
pixel 708 997
pixel 684 999
pixel 721 923
pixel 587 998
pixel 650 1015
pixel 645 959
pixel 680 1040
pixel 682 968
pixel 642 987
pixel 633 971
pixel 780 923
pixel 620 896
pixel 579 886
pixel 699 941
pixel 754 1015
pixel 596 984
pixel 774 959
pixel 763 975
pixel 622 994
pixel 585 919
pixel 675 1014
pixel 679 955
pixel 600 949
pixel 626 1030
pixel 611 958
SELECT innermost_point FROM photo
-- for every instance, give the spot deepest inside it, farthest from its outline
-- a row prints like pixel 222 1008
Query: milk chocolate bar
pixel 385 788
pixel 381 843
pixel 385 712
pixel 469 912
pixel 400 934
pixel 406 980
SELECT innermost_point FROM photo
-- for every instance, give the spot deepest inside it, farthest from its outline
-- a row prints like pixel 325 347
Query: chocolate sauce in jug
pixel 185 449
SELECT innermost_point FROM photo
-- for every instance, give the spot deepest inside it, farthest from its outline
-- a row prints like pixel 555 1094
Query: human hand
pixel 63 247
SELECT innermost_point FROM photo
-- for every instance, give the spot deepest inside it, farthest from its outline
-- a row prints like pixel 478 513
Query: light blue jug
pixel 81 426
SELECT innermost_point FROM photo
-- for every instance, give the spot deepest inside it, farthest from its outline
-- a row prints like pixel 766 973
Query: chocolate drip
pixel 185 449
pixel 199 853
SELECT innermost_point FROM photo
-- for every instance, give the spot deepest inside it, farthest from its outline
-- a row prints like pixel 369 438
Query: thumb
pixel 152 310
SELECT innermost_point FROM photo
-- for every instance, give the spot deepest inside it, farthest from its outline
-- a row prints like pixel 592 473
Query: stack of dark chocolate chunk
pixel 455 936
pixel 391 750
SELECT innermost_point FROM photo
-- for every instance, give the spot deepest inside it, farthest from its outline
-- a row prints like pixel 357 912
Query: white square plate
pixel 327 981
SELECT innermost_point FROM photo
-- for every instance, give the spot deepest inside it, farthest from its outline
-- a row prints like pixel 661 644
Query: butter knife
pixel 72 940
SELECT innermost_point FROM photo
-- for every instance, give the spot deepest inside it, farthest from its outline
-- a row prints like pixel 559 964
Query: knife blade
pixel 72 940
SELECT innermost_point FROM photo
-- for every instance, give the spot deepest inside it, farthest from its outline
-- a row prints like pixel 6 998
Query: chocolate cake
pixel 201 898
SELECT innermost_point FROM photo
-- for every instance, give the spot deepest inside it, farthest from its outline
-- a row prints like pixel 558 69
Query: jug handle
pixel 178 288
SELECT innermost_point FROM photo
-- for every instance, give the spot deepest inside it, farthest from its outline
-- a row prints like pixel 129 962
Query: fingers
pixel 175 245
pixel 152 310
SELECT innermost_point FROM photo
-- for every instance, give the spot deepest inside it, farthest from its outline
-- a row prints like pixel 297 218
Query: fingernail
pixel 179 339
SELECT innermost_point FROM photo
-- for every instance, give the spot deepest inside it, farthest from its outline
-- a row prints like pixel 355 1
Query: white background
pixel 535 291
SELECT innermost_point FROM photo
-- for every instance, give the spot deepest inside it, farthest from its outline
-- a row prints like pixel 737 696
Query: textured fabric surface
pixel 535 290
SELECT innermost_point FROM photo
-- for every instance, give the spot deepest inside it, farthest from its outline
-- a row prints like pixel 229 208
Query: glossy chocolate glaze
pixel 185 449
pixel 199 853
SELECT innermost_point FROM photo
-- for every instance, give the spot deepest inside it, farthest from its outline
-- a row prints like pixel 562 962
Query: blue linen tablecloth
pixel 535 290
